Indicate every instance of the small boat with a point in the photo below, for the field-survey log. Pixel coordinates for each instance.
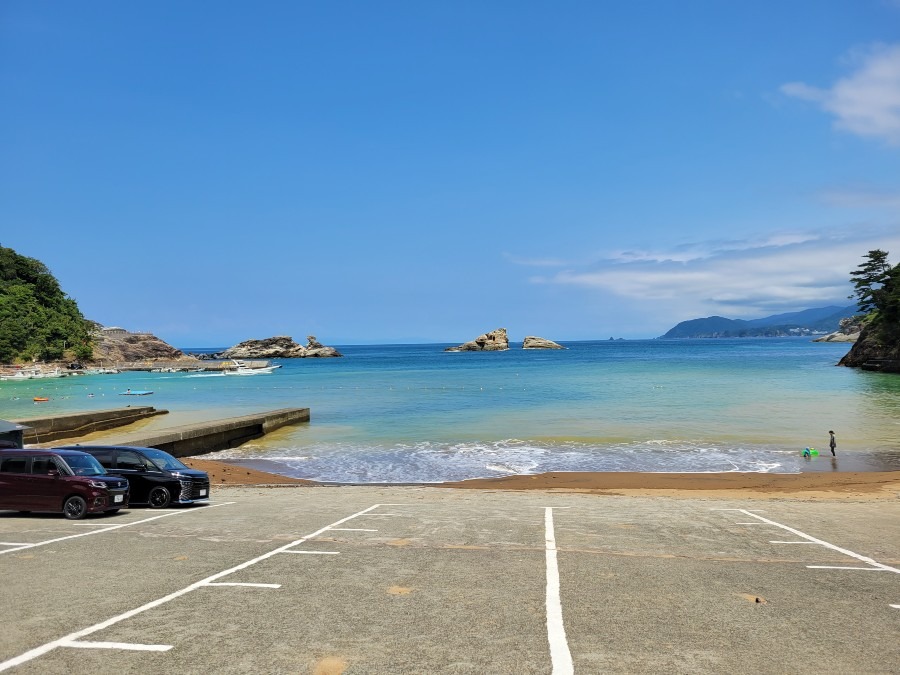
(22, 375)
(135, 393)
(241, 368)
(40, 399)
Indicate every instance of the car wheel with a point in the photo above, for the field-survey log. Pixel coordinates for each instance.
(159, 498)
(74, 508)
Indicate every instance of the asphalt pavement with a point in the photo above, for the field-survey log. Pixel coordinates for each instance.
(429, 580)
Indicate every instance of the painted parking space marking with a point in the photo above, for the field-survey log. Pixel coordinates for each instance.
(236, 583)
(844, 567)
(560, 656)
(814, 540)
(771, 541)
(872, 565)
(22, 547)
(117, 645)
(74, 637)
(13, 543)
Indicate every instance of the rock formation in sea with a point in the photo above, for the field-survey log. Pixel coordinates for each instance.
(532, 342)
(495, 341)
(848, 331)
(279, 347)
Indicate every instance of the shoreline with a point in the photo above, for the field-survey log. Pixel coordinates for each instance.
(838, 485)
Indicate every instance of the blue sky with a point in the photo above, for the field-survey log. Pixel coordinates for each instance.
(428, 171)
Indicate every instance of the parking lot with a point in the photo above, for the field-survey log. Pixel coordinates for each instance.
(415, 580)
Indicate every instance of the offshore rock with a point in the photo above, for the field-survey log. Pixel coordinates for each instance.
(848, 331)
(532, 342)
(279, 347)
(495, 341)
(125, 346)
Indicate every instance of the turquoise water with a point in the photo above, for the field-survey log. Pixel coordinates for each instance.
(413, 413)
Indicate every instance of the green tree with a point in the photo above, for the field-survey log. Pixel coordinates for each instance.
(869, 280)
(37, 320)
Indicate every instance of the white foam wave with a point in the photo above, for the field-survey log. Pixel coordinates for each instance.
(429, 462)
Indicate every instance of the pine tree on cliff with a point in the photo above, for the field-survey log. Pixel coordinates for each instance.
(869, 280)
(877, 285)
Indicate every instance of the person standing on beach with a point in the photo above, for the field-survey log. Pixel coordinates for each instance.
(832, 443)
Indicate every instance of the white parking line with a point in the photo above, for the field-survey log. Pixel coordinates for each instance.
(118, 645)
(235, 583)
(814, 540)
(840, 567)
(22, 547)
(791, 542)
(560, 657)
(66, 640)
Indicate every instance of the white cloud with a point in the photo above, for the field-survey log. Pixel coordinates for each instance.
(867, 102)
(740, 280)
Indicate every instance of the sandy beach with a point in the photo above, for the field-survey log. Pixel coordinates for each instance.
(815, 485)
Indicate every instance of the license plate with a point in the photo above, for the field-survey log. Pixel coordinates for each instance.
(202, 493)
(118, 498)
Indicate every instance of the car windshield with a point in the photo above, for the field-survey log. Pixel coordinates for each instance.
(84, 465)
(163, 459)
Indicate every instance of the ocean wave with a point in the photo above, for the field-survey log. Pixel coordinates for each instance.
(431, 462)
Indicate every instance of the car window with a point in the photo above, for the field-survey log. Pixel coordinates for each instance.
(128, 459)
(163, 459)
(84, 465)
(105, 457)
(14, 465)
(42, 465)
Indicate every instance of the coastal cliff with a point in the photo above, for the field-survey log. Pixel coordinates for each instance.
(495, 341)
(872, 351)
(116, 344)
(279, 347)
(532, 342)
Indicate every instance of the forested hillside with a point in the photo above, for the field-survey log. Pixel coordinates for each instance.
(820, 319)
(37, 320)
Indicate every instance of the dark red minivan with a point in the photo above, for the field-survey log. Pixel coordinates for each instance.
(66, 481)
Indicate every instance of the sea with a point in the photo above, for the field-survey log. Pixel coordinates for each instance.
(417, 414)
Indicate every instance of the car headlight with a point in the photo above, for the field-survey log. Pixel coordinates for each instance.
(97, 484)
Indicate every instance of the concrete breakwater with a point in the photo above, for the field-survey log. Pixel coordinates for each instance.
(70, 425)
(196, 439)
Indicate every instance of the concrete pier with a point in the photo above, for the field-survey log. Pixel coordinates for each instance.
(70, 425)
(196, 439)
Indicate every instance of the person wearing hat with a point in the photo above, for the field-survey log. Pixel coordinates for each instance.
(832, 443)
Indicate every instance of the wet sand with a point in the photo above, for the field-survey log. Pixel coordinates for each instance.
(816, 485)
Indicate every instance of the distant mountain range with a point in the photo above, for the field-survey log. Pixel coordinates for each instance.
(806, 322)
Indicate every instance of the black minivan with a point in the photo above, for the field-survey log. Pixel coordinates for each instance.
(156, 477)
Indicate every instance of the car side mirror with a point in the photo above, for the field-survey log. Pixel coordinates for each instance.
(53, 472)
